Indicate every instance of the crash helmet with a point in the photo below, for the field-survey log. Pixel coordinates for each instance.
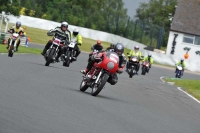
(136, 48)
(98, 42)
(112, 45)
(75, 32)
(64, 26)
(18, 24)
(119, 48)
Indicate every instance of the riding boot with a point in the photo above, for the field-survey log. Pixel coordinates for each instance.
(44, 51)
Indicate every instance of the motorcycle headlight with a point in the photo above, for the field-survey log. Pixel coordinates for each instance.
(110, 65)
(133, 59)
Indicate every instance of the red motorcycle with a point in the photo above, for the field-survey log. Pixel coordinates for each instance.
(145, 67)
(96, 78)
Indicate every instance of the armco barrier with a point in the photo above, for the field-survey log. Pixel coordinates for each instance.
(192, 64)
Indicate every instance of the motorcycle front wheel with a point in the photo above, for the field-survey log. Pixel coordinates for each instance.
(144, 70)
(101, 83)
(10, 51)
(67, 60)
(50, 57)
(83, 86)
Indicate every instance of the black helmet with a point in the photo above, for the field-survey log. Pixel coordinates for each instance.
(182, 60)
(112, 45)
(119, 48)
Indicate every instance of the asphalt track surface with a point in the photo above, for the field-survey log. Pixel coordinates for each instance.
(39, 99)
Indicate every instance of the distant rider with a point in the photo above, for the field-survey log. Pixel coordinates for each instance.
(137, 53)
(17, 29)
(111, 48)
(78, 37)
(62, 33)
(182, 63)
(149, 59)
(119, 49)
(97, 47)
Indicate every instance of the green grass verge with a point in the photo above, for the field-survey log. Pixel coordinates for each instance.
(40, 36)
(21, 50)
(190, 86)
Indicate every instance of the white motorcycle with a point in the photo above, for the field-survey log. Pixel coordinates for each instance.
(179, 71)
(13, 43)
(70, 53)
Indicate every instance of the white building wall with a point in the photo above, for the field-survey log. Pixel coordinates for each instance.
(180, 45)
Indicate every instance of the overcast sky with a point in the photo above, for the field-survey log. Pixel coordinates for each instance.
(132, 5)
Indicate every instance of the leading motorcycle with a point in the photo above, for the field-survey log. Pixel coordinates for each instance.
(97, 77)
(52, 52)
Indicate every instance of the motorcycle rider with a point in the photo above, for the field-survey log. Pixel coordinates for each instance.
(182, 63)
(17, 29)
(97, 47)
(78, 37)
(119, 49)
(149, 59)
(137, 53)
(112, 46)
(61, 32)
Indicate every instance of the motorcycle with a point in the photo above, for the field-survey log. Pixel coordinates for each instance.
(97, 77)
(145, 67)
(95, 52)
(133, 62)
(13, 42)
(70, 53)
(179, 71)
(52, 52)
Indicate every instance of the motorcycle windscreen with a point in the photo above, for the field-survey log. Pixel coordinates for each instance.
(113, 57)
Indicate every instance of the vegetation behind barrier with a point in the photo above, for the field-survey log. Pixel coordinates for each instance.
(150, 26)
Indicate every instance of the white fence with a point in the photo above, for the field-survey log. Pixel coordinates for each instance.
(192, 65)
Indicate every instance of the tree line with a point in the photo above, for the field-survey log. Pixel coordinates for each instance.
(104, 15)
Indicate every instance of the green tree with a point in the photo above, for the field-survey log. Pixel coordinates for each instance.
(7, 6)
(156, 12)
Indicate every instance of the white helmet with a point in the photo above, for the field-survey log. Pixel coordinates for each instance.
(149, 55)
(136, 48)
(75, 32)
(65, 24)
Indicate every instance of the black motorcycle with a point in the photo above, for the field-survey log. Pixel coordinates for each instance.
(70, 52)
(132, 67)
(52, 52)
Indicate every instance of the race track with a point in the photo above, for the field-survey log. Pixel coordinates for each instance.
(39, 99)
